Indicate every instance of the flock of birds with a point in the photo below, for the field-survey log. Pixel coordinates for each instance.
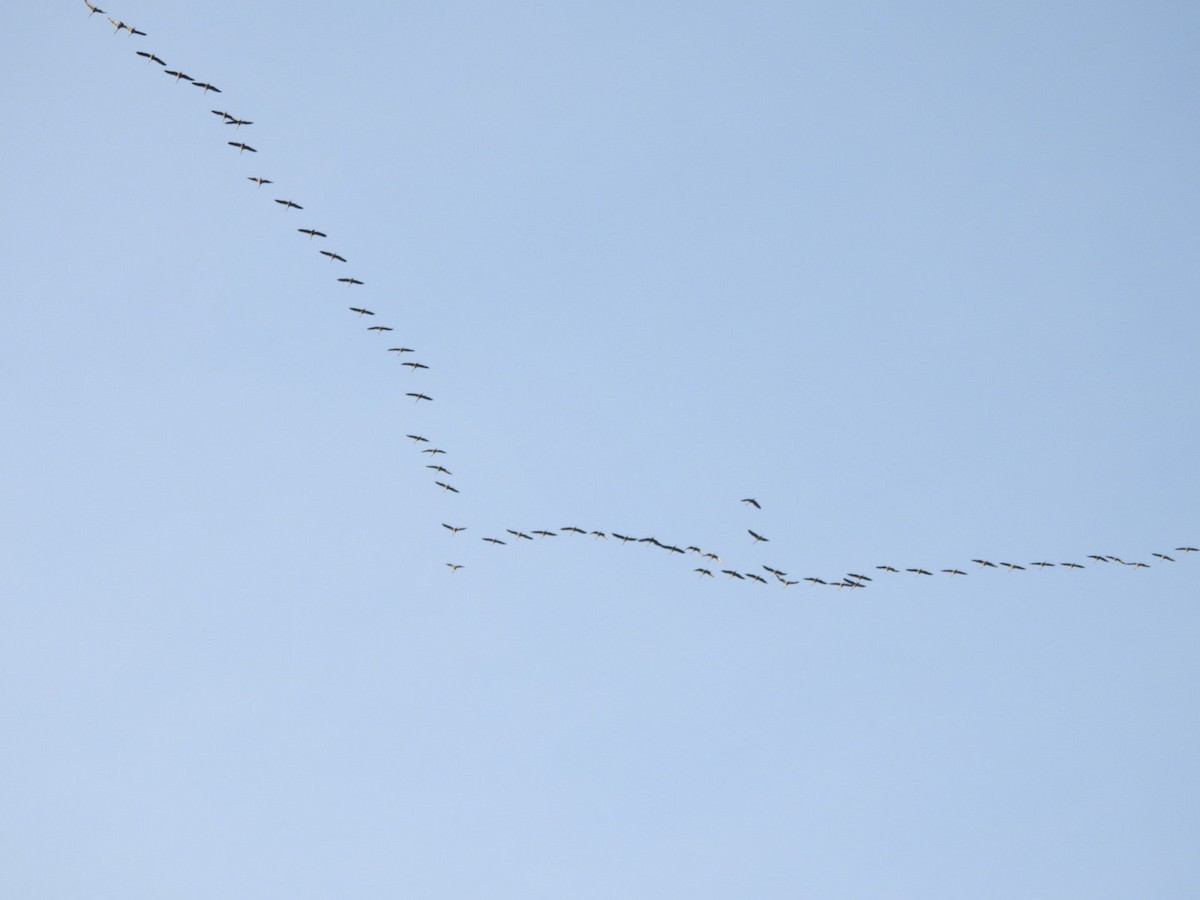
(709, 563)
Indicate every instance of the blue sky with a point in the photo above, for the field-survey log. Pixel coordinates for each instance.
(920, 280)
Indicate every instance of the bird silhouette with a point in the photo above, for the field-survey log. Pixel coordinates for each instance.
(150, 57)
(419, 397)
(446, 487)
(360, 310)
(92, 9)
(418, 438)
(454, 529)
(750, 501)
(379, 328)
(206, 86)
(179, 76)
(286, 204)
(454, 567)
(415, 365)
(496, 541)
(349, 281)
(242, 148)
(259, 181)
(312, 233)
(332, 256)
(757, 537)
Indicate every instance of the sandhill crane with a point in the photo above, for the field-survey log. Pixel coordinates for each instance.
(380, 328)
(599, 534)
(693, 549)
(399, 350)
(446, 487)
(150, 57)
(757, 537)
(454, 567)
(288, 204)
(732, 574)
(541, 532)
(888, 568)
(259, 181)
(360, 310)
(574, 529)
(858, 577)
(1042, 565)
(704, 572)
(1163, 557)
(813, 580)
(206, 86)
(441, 469)
(117, 24)
(775, 572)
(332, 256)
(623, 538)
(434, 451)
(312, 232)
(1188, 549)
(919, 571)
(415, 365)
(92, 9)
(179, 76)
(454, 529)
(242, 148)
(787, 583)
(418, 438)
(1138, 565)
(984, 564)
(954, 571)
(758, 578)
(349, 282)
(673, 549)
(1097, 558)
(1013, 567)
(419, 397)
(750, 501)
(713, 557)
(519, 534)
(237, 123)
(222, 113)
(496, 541)
(1071, 565)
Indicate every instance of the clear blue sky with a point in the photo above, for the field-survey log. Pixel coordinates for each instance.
(921, 278)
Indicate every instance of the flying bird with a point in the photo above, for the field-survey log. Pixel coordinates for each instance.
(442, 469)
(954, 571)
(454, 529)
(332, 256)
(350, 281)
(259, 181)
(180, 75)
(454, 567)
(519, 534)
(1071, 565)
(434, 450)
(311, 232)
(919, 571)
(400, 350)
(757, 537)
(206, 86)
(360, 310)
(1163, 556)
(237, 123)
(415, 365)
(750, 501)
(732, 574)
(287, 204)
(446, 487)
(241, 148)
(418, 438)
(888, 568)
(1013, 567)
(813, 580)
(379, 328)
(704, 572)
(496, 541)
(541, 532)
(93, 9)
(1042, 565)
(150, 57)
(574, 529)
(1188, 549)
(599, 534)
(419, 397)
(984, 564)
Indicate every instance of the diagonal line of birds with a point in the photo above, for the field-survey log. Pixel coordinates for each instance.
(708, 562)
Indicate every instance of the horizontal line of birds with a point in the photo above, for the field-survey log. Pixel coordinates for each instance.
(849, 580)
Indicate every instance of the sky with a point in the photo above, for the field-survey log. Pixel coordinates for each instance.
(918, 278)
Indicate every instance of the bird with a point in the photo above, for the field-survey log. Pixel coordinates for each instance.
(418, 438)
(1188, 549)
(712, 556)
(350, 281)
(541, 532)
(888, 568)
(1071, 565)
(332, 256)
(242, 148)
(496, 541)
(259, 181)
(704, 572)
(750, 501)
(1013, 567)
(442, 469)
(434, 451)
(623, 538)
(360, 310)
(954, 571)
(757, 537)
(454, 529)
(1163, 556)
(116, 24)
(918, 571)
(400, 349)
(311, 232)
(206, 86)
(1097, 558)
(150, 57)
(814, 580)
(93, 9)
(774, 571)
(379, 328)
(419, 397)
(179, 75)
(237, 123)
(222, 113)
(415, 365)
(599, 534)
(984, 564)
(519, 534)
(574, 529)
(858, 577)
(1042, 565)
(454, 567)
(288, 204)
(732, 574)
(446, 487)
(756, 577)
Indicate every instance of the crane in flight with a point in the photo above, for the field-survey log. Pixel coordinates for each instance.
(757, 537)
(259, 181)
(332, 256)
(206, 86)
(419, 397)
(446, 487)
(179, 75)
(454, 529)
(360, 310)
(312, 232)
(150, 57)
(454, 567)
(349, 282)
(92, 8)
(750, 501)
(242, 148)
(379, 328)
(288, 204)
